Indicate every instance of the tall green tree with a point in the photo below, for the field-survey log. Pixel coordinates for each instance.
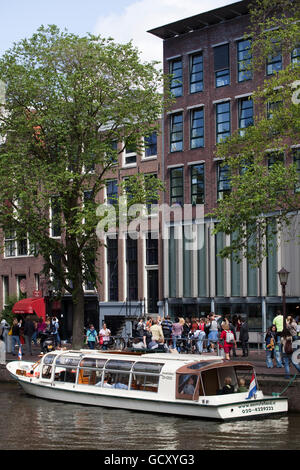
(259, 158)
(67, 99)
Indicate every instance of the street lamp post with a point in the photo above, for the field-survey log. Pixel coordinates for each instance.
(283, 278)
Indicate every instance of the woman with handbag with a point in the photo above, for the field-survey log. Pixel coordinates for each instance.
(105, 333)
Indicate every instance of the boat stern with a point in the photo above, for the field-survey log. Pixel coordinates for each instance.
(254, 408)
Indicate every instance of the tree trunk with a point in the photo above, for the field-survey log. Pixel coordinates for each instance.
(78, 318)
(75, 271)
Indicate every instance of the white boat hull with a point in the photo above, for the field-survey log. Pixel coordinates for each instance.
(239, 408)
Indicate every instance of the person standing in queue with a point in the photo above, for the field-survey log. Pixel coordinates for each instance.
(15, 337)
(244, 337)
(92, 337)
(105, 333)
(177, 328)
(29, 330)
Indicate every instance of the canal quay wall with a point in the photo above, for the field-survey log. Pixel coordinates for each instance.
(271, 381)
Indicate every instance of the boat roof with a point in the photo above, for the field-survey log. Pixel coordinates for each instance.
(172, 362)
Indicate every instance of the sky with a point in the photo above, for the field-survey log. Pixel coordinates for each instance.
(123, 20)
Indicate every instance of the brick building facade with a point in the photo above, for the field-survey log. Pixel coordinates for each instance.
(206, 54)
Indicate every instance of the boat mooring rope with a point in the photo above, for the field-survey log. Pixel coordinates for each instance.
(275, 394)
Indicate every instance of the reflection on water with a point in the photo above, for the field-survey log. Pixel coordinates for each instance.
(33, 423)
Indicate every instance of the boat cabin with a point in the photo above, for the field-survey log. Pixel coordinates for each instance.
(207, 379)
(188, 376)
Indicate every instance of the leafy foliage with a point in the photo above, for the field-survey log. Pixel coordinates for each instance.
(67, 99)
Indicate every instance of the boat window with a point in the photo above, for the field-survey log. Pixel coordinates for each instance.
(65, 374)
(187, 386)
(47, 367)
(90, 376)
(49, 358)
(210, 382)
(145, 376)
(66, 368)
(243, 376)
(92, 362)
(199, 365)
(118, 365)
(91, 370)
(150, 368)
(116, 380)
(116, 374)
(46, 372)
(223, 373)
(67, 361)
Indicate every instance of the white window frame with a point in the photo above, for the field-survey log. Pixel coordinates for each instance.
(14, 241)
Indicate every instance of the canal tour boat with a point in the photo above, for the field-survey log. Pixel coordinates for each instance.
(174, 384)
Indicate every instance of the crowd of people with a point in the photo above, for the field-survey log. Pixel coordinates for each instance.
(27, 332)
(206, 334)
(279, 342)
(211, 333)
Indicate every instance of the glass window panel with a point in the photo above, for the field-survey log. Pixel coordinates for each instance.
(196, 73)
(68, 361)
(176, 80)
(146, 367)
(92, 362)
(223, 181)
(119, 365)
(49, 358)
(274, 60)
(222, 78)
(112, 268)
(197, 177)
(22, 247)
(176, 132)
(172, 263)
(245, 113)
(222, 121)
(151, 145)
(176, 182)
(295, 56)
(244, 59)
(112, 191)
(151, 250)
(132, 268)
(197, 128)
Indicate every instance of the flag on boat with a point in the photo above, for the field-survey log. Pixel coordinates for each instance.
(252, 388)
(20, 353)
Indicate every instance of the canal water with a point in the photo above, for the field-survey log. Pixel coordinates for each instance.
(28, 423)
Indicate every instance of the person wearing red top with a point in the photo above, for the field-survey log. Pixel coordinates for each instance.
(195, 325)
(202, 324)
(228, 346)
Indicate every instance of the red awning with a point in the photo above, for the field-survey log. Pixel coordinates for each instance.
(31, 306)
